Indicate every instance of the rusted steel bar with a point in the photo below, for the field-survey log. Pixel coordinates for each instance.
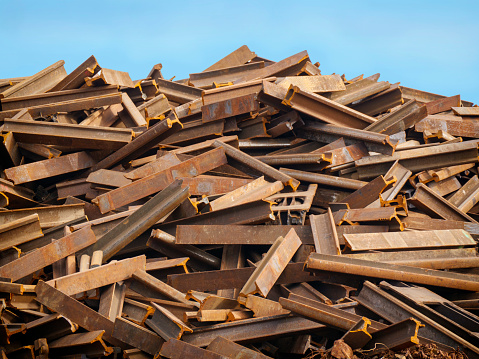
(137, 336)
(136, 312)
(48, 254)
(417, 239)
(157, 165)
(130, 115)
(367, 194)
(40, 150)
(272, 265)
(40, 82)
(289, 66)
(161, 287)
(327, 314)
(42, 99)
(254, 329)
(213, 185)
(238, 57)
(436, 206)
(315, 84)
(166, 324)
(300, 159)
(443, 104)
(194, 131)
(224, 93)
(48, 168)
(111, 301)
(467, 196)
(140, 220)
(359, 90)
(325, 110)
(324, 233)
(98, 277)
(71, 136)
(466, 111)
(228, 108)
(394, 310)
(207, 79)
(233, 350)
(451, 124)
(413, 222)
(420, 159)
(238, 234)
(233, 278)
(380, 102)
(74, 310)
(76, 78)
(406, 116)
(413, 255)
(141, 144)
(90, 343)
(256, 164)
(177, 349)
(20, 231)
(367, 268)
(110, 77)
(158, 181)
(108, 178)
(323, 179)
(177, 92)
(155, 107)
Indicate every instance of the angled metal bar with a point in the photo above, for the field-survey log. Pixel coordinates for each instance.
(324, 179)
(137, 336)
(443, 104)
(380, 102)
(315, 84)
(324, 233)
(177, 92)
(166, 324)
(177, 349)
(231, 349)
(238, 57)
(76, 78)
(206, 79)
(228, 108)
(359, 90)
(20, 231)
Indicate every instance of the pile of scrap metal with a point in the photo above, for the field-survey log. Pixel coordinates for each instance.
(256, 209)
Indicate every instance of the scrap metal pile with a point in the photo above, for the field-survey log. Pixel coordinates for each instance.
(256, 209)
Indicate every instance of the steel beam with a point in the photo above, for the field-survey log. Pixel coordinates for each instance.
(177, 349)
(90, 343)
(111, 301)
(314, 84)
(443, 104)
(110, 77)
(48, 254)
(20, 231)
(141, 144)
(324, 179)
(48, 168)
(436, 206)
(166, 324)
(137, 336)
(140, 220)
(177, 92)
(159, 181)
(76, 78)
(228, 108)
(324, 233)
(380, 102)
(213, 185)
(157, 165)
(38, 83)
(238, 57)
(420, 159)
(257, 165)
(71, 136)
(466, 111)
(451, 124)
(359, 90)
(233, 350)
(373, 269)
(208, 79)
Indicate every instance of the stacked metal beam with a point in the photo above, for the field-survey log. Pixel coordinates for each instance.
(256, 209)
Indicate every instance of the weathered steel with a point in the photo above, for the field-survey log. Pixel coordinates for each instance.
(177, 92)
(254, 329)
(137, 336)
(20, 231)
(224, 93)
(380, 102)
(40, 82)
(48, 254)
(238, 234)
(40, 150)
(111, 301)
(425, 223)
(394, 310)
(136, 312)
(359, 90)
(272, 265)
(324, 179)
(166, 324)
(406, 116)
(451, 124)
(315, 84)
(325, 110)
(157, 165)
(293, 159)
(233, 350)
(257, 165)
(130, 115)
(208, 79)
(176, 349)
(76, 78)
(141, 144)
(417, 239)
(110, 77)
(213, 185)
(324, 233)
(90, 343)
(108, 178)
(466, 111)
(71, 136)
(140, 220)
(48, 168)
(100, 276)
(367, 194)
(159, 181)
(419, 159)
(443, 104)
(228, 108)
(466, 197)
(367, 268)
(155, 107)
(238, 57)
(436, 206)
(195, 131)
(233, 278)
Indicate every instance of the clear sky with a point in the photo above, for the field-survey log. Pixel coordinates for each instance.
(428, 45)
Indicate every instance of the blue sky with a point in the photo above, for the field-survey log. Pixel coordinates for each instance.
(428, 45)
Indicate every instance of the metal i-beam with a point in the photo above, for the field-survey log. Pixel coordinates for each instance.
(177, 92)
(207, 79)
(158, 181)
(141, 144)
(177, 349)
(451, 124)
(48, 254)
(328, 180)
(325, 110)
(230, 107)
(76, 78)
(373, 269)
(49, 168)
(71, 136)
(315, 84)
(20, 231)
(238, 57)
